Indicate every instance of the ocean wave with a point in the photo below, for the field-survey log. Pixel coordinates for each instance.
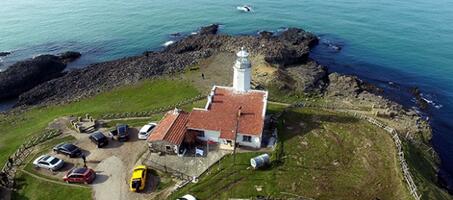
(168, 43)
(431, 100)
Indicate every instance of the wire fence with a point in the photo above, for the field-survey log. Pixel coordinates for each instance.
(153, 111)
(9, 169)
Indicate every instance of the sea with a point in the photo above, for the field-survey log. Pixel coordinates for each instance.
(396, 44)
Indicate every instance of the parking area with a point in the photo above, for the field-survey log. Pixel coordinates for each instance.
(112, 163)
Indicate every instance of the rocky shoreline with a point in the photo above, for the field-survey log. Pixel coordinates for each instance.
(25, 75)
(287, 54)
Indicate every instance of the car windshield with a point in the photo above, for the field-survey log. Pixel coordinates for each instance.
(80, 170)
(136, 183)
(70, 147)
(98, 135)
(45, 158)
(54, 161)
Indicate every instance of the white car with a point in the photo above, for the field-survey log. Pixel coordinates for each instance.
(187, 197)
(48, 162)
(146, 130)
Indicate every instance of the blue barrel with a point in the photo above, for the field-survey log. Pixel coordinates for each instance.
(260, 161)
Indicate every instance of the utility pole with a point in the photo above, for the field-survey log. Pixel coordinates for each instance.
(236, 135)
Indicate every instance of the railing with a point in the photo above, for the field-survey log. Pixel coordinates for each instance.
(395, 136)
(167, 169)
(154, 111)
(8, 171)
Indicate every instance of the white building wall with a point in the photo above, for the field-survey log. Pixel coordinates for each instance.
(255, 143)
(241, 79)
(210, 135)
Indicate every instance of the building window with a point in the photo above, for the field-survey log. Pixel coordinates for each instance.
(200, 134)
(246, 138)
(168, 148)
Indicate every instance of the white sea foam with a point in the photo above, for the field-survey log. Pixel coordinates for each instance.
(168, 43)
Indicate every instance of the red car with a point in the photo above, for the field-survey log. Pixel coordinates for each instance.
(80, 175)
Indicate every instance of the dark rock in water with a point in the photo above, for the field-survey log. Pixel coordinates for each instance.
(265, 34)
(293, 48)
(209, 30)
(24, 75)
(4, 53)
(335, 47)
(422, 103)
(175, 34)
(298, 36)
(69, 56)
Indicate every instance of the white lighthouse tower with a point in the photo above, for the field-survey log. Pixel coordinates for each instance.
(242, 69)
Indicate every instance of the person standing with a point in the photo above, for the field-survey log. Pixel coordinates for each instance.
(84, 160)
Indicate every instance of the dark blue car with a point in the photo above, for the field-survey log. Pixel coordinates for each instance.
(121, 133)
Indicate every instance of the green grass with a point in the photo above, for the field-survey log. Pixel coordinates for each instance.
(320, 155)
(165, 180)
(141, 97)
(423, 170)
(31, 188)
(132, 122)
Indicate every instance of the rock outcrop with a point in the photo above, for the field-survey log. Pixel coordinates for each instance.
(25, 75)
(209, 30)
(422, 103)
(5, 53)
(343, 85)
(282, 50)
(69, 56)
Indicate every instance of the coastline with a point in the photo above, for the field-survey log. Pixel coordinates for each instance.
(189, 55)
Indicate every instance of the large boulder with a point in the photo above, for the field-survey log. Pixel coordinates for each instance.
(24, 75)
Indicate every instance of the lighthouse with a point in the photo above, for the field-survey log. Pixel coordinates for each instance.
(242, 69)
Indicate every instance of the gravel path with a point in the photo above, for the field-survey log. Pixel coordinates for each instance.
(110, 183)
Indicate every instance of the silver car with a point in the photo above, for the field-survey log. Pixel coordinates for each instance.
(48, 162)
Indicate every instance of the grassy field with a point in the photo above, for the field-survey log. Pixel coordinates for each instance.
(31, 188)
(423, 170)
(141, 97)
(321, 155)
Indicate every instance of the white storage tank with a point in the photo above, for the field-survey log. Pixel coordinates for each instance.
(260, 161)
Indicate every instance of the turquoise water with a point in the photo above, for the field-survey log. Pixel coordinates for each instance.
(406, 42)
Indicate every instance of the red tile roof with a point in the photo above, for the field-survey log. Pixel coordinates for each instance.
(172, 127)
(222, 113)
